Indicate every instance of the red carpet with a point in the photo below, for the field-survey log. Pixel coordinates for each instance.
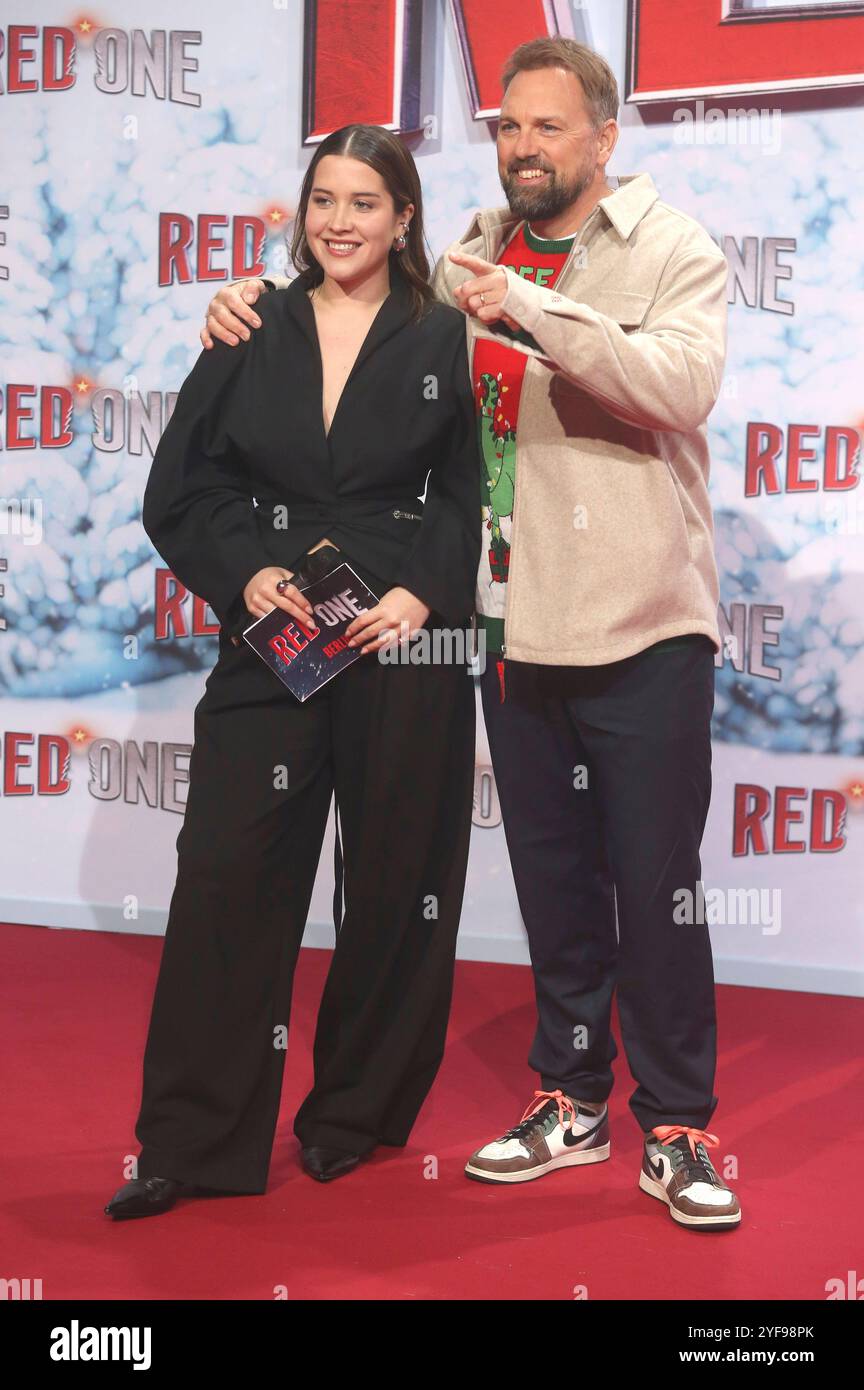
(73, 1027)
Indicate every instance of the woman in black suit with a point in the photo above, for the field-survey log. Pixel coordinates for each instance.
(331, 416)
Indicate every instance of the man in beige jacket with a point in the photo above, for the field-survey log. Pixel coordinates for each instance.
(596, 324)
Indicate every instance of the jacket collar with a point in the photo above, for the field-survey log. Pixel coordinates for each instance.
(393, 314)
(624, 207)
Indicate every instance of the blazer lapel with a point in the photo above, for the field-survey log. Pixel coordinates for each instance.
(392, 315)
(394, 312)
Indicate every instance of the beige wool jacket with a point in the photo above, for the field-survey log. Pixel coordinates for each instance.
(612, 536)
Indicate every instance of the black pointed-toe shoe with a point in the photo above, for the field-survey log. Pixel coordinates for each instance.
(326, 1164)
(144, 1197)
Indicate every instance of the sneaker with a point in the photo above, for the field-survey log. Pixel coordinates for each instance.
(676, 1169)
(554, 1132)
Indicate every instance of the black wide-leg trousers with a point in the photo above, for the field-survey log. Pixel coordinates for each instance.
(396, 745)
(628, 828)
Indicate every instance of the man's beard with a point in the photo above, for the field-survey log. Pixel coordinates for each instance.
(556, 196)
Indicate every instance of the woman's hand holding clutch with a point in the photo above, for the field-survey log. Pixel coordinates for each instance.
(382, 625)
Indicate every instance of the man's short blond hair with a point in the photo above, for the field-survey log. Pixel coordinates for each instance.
(595, 74)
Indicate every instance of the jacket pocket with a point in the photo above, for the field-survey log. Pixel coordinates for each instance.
(625, 307)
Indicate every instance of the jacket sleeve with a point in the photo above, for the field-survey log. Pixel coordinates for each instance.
(272, 281)
(276, 282)
(441, 565)
(664, 376)
(197, 507)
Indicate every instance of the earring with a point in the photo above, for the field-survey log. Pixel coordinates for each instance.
(400, 240)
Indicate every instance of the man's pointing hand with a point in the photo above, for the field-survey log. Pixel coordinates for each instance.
(481, 296)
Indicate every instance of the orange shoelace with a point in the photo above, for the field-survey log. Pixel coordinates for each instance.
(694, 1136)
(564, 1103)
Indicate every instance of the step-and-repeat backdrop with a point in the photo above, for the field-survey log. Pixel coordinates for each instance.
(145, 163)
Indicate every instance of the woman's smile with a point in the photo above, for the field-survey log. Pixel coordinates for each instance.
(341, 248)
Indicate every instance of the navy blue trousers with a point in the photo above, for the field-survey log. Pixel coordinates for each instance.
(631, 835)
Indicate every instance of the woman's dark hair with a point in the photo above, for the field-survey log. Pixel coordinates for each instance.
(385, 153)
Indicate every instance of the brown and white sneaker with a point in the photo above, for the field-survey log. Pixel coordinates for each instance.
(677, 1170)
(554, 1132)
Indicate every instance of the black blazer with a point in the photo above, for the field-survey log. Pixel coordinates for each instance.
(248, 424)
